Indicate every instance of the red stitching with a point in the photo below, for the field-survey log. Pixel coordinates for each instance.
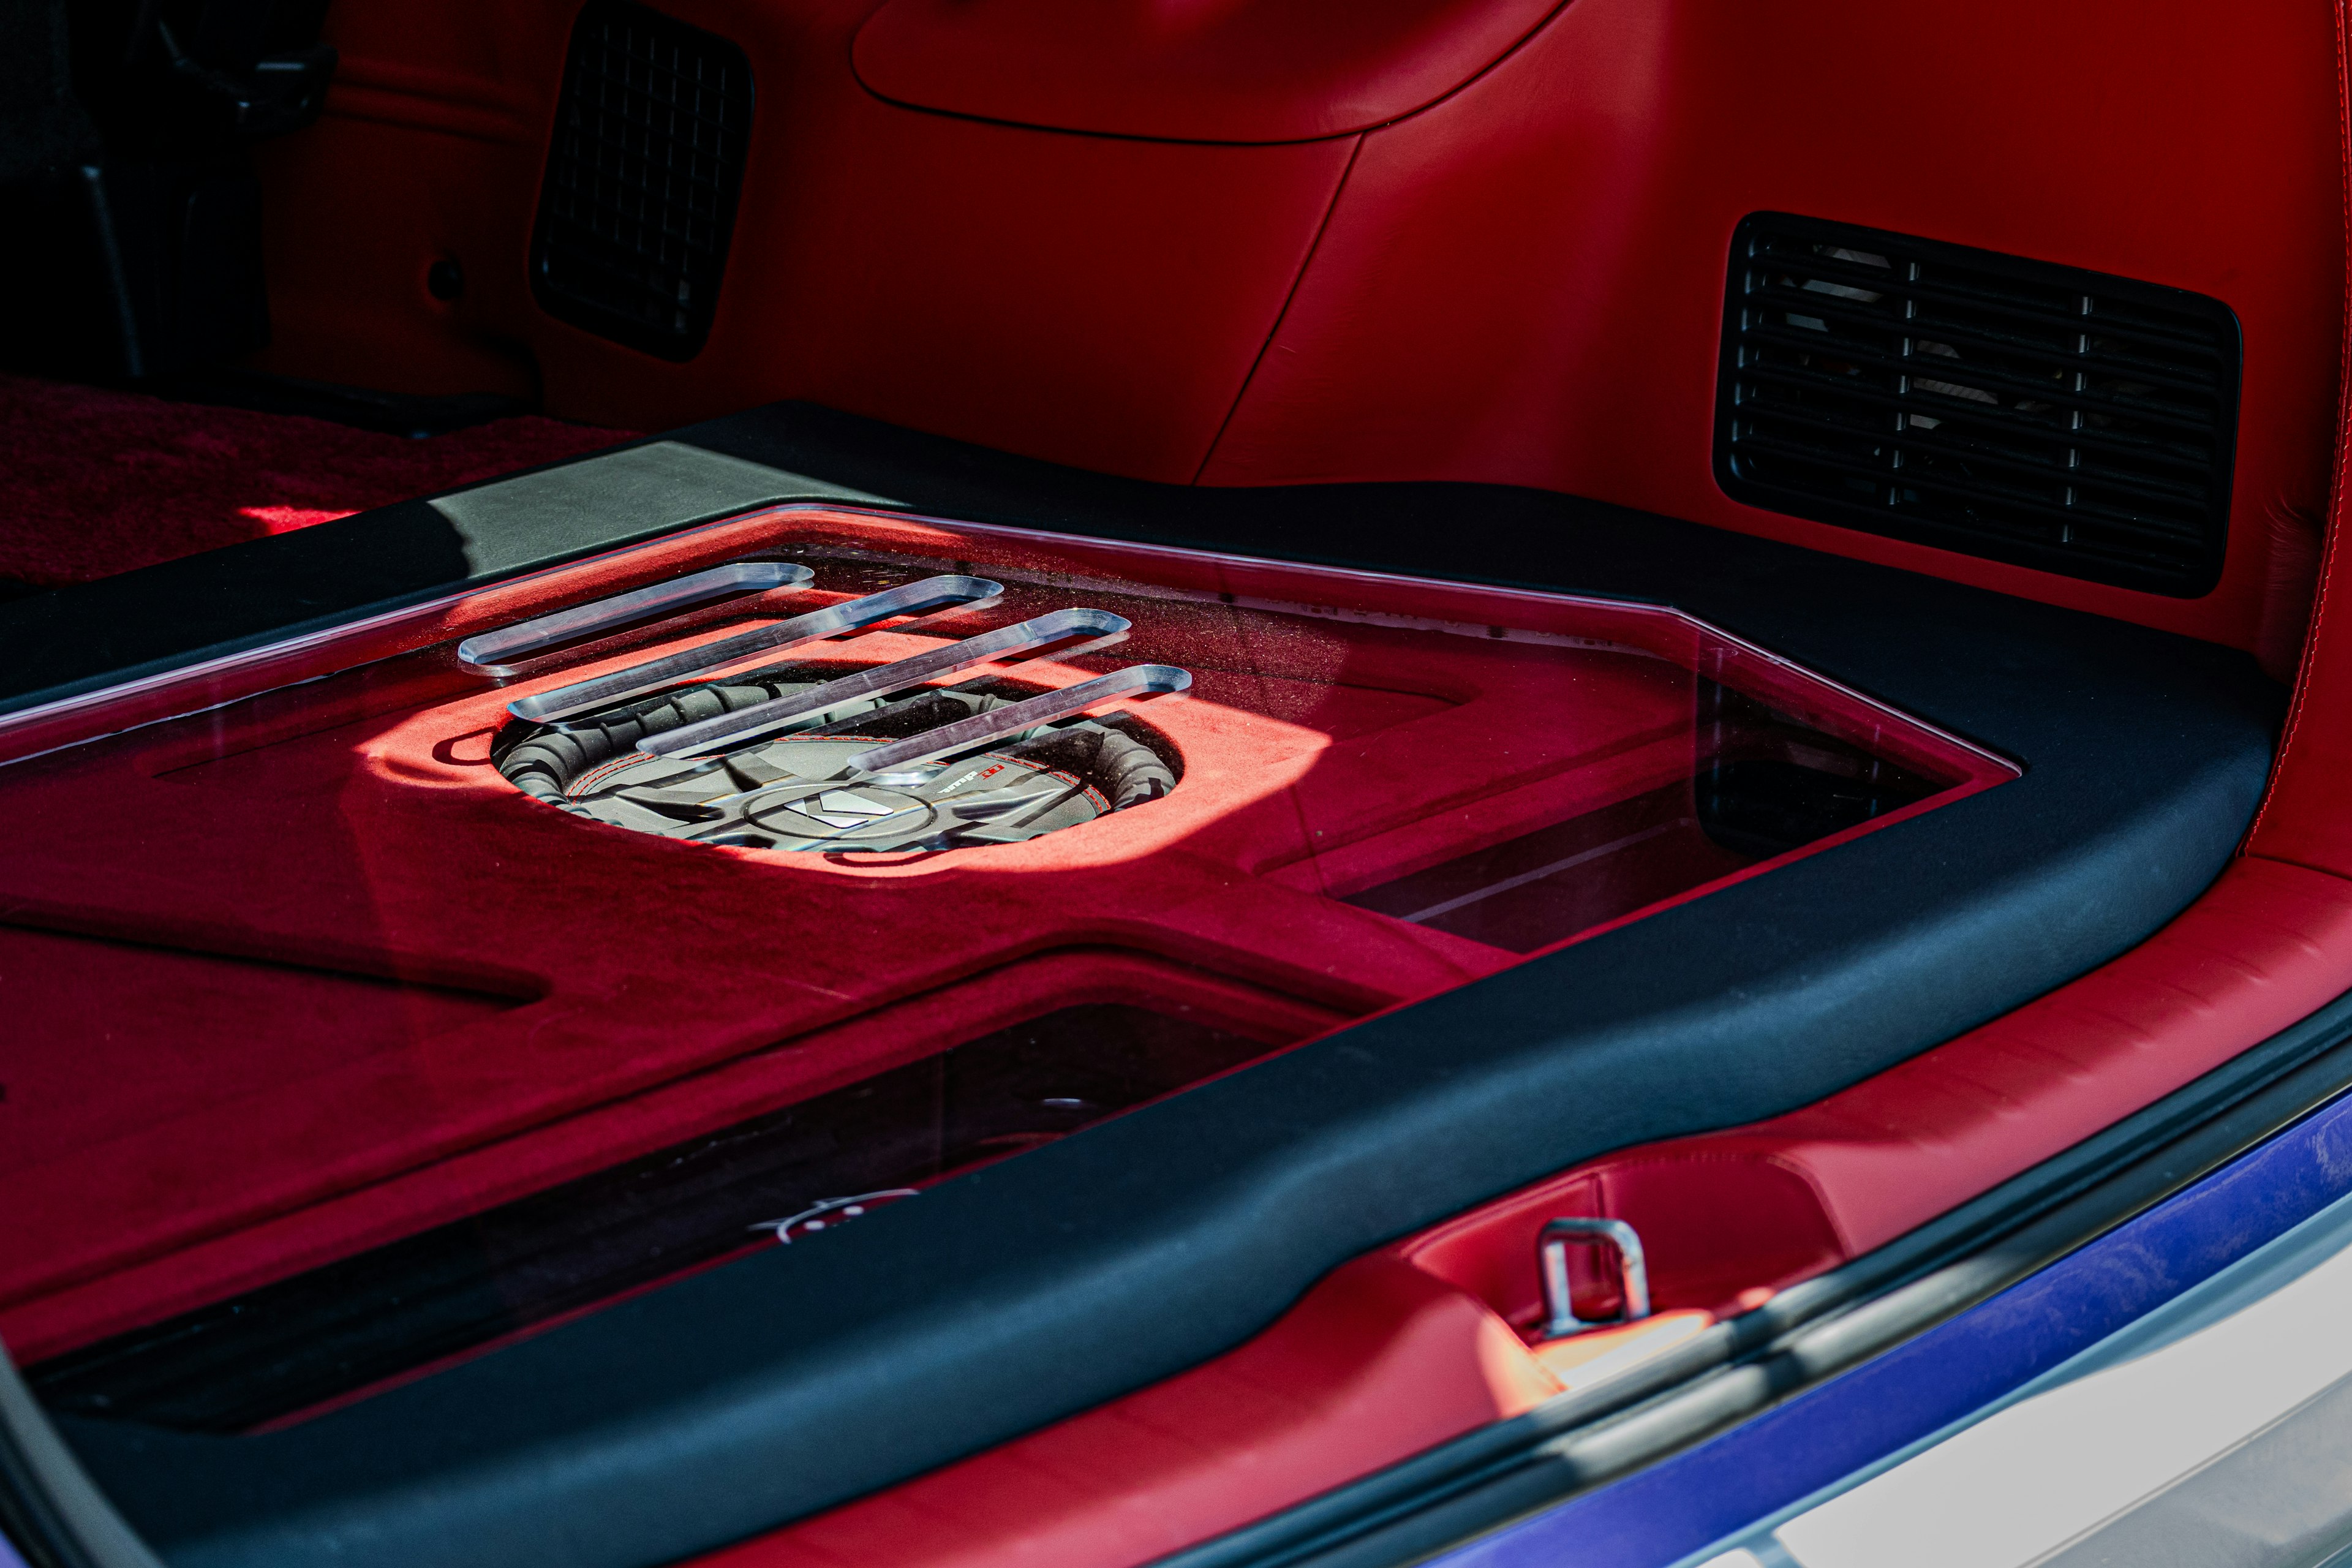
(2337, 499)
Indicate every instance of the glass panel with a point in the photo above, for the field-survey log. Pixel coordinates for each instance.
(1768, 785)
(295, 1345)
(439, 979)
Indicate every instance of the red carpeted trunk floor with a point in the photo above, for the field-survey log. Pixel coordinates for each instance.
(100, 481)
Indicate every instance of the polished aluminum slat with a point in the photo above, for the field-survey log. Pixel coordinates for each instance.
(485, 651)
(1099, 626)
(909, 599)
(997, 724)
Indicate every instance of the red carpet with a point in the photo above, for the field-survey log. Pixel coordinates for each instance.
(98, 481)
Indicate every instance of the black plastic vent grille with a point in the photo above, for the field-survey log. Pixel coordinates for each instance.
(2011, 409)
(639, 199)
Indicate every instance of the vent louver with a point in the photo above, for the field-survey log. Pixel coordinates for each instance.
(2010, 409)
(639, 201)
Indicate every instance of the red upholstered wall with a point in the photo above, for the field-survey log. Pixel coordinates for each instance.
(1095, 300)
(1524, 283)
(1520, 282)
(2306, 818)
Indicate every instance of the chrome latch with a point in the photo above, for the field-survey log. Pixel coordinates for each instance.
(1551, 1257)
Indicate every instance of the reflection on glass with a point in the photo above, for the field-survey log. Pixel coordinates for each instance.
(1767, 783)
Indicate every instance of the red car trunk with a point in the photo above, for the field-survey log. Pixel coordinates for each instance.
(1752, 605)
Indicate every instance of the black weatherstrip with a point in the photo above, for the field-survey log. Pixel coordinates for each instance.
(769, 1388)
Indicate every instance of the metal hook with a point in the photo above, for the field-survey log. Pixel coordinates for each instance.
(1552, 1257)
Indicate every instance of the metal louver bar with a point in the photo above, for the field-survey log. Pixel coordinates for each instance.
(916, 598)
(727, 729)
(485, 650)
(2011, 409)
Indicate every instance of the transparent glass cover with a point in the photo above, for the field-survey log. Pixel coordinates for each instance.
(387, 993)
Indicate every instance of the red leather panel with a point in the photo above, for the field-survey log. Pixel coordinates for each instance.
(2267, 946)
(1259, 70)
(1525, 282)
(2306, 817)
(436, 131)
(1097, 303)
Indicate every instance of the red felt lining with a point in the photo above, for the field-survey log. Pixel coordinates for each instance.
(101, 481)
(129, 1037)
